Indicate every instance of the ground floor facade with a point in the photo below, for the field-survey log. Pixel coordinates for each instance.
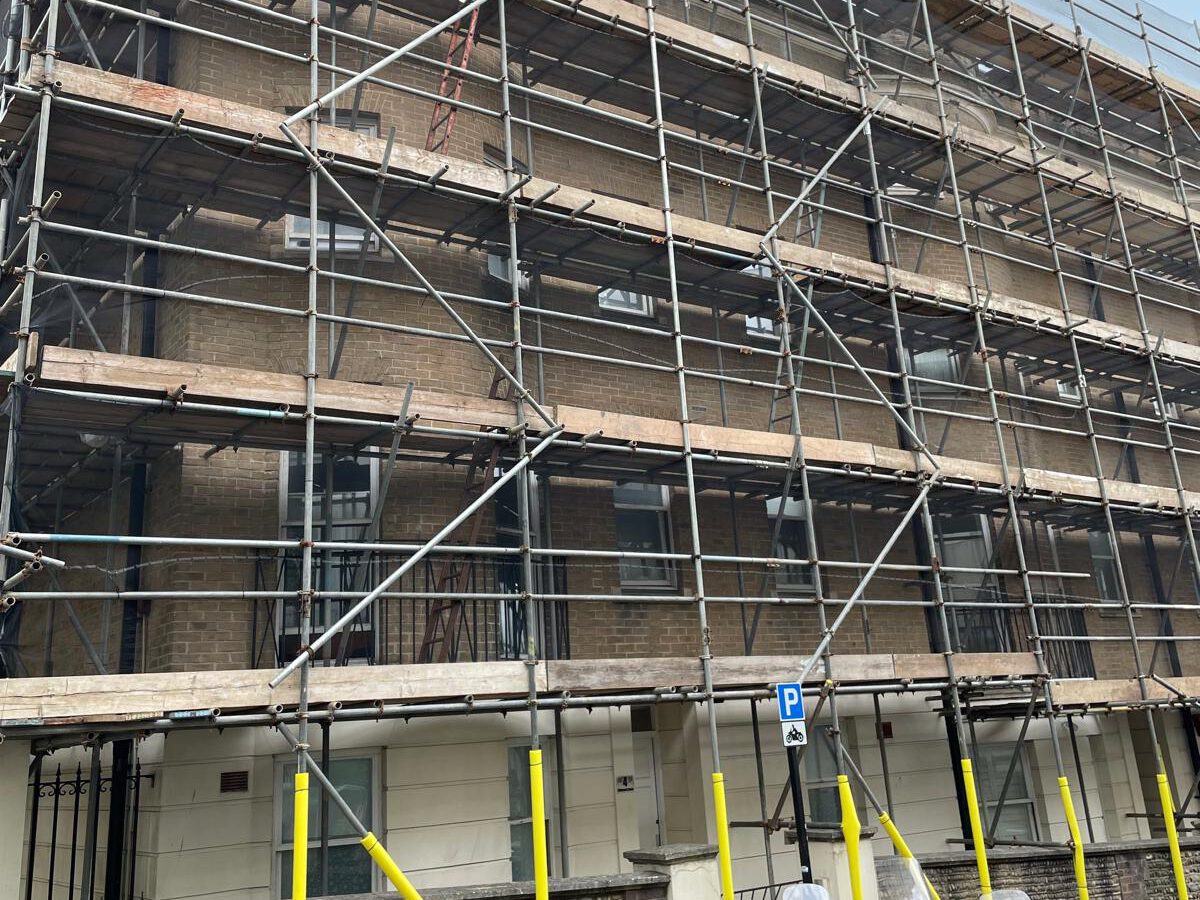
(211, 810)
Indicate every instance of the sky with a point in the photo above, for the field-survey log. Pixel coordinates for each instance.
(1185, 9)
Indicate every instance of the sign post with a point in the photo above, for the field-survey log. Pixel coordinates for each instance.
(795, 736)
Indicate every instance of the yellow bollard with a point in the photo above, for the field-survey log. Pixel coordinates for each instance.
(724, 856)
(981, 861)
(851, 834)
(300, 839)
(537, 807)
(389, 868)
(902, 848)
(1077, 842)
(1168, 808)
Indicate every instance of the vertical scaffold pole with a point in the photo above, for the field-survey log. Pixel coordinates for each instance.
(541, 858)
(718, 777)
(306, 596)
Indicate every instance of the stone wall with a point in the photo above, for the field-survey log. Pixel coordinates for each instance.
(1129, 870)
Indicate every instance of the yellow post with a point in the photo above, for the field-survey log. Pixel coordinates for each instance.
(389, 868)
(981, 861)
(902, 847)
(300, 839)
(1168, 810)
(537, 808)
(851, 834)
(724, 856)
(1076, 841)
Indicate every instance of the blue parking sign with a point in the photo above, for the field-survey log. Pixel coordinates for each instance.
(791, 714)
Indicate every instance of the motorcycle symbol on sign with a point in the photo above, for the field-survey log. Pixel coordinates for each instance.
(794, 734)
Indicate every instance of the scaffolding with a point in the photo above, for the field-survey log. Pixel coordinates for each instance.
(1022, 194)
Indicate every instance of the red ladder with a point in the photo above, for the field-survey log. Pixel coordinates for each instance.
(458, 55)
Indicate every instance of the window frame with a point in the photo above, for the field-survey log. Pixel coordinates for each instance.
(1005, 751)
(318, 627)
(643, 306)
(283, 793)
(549, 786)
(926, 389)
(666, 532)
(1172, 410)
(793, 511)
(755, 329)
(298, 242)
(1069, 389)
(1106, 554)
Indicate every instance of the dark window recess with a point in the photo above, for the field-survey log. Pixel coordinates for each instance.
(235, 782)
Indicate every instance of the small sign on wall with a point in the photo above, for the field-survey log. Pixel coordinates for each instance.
(791, 714)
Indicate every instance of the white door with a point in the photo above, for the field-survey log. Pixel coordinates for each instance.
(646, 789)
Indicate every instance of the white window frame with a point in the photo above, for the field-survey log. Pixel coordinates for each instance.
(630, 303)
(346, 238)
(764, 327)
(791, 579)
(1068, 389)
(1004, 753)
(1172, 409)
(1100, 548)
(318, 627)
(663, 509)
(283, 792)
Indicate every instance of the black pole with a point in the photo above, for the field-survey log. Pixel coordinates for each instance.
(33, 825)
(797, 788)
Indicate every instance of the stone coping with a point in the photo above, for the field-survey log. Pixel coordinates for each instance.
(671, 853)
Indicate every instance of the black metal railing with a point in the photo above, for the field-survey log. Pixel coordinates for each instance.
(61, 843)
(489, 625)
(765, 892)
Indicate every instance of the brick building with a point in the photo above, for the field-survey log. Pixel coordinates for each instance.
(506, 375)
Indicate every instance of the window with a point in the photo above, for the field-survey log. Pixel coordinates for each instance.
(1104, 566)
(644, 526)
(937, 364)
(1018, 821)
(626, 301)
(964, 541)
(348, 502)
(1172, 410)
(1068, 389)
(350, 870)
(762, 327)
(493, 157)
(823, 804)
(792, 544)
(520, 813)
(346, 237)
(497, 268)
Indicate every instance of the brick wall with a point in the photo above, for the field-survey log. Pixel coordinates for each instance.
(1131, 870)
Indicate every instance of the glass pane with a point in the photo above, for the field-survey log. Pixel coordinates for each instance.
(351, 497)
(518, 783)
(353, 780)
(642, 529)
(520, 836)
(634, 494)
(824, 805)
(349, 871)
(938, 364)
(1015, 822)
